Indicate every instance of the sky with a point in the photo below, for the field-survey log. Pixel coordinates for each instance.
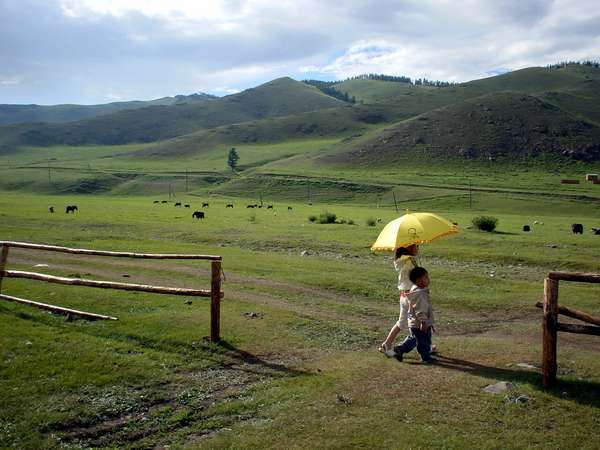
(99, 51)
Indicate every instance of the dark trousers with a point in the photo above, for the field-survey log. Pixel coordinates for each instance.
(419, 339)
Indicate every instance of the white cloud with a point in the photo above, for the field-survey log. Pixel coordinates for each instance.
(7, 81)
(77, 50)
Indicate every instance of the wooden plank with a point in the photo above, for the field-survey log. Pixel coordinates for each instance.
(3, 258)
(83, 251)
(215, 301)
(107, 284)
(57, 309)
(580, 329)
(575, 276)
(575, 314)
(549, 332)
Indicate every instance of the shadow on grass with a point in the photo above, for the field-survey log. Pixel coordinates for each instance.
(580, 391)
(222, 353)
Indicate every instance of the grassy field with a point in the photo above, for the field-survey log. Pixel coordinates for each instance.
(305, 308)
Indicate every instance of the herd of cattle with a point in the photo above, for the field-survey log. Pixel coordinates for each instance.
(201, 214)
(576, 228)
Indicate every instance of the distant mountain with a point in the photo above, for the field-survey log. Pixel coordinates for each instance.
(498, 126)
(14, 114)
(529, 112)
(279, 97)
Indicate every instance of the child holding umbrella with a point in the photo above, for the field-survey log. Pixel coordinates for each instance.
(403, 235)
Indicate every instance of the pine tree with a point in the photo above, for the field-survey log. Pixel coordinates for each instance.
(232, 159)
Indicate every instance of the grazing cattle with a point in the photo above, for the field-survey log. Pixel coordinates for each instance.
(186, 206)
(51, 209)
(156, 201)
(205, 205)
(289, 208)
(577, 228)
(178, 204)
(526, 228)
(269, 206)
(229, 205)
(379, 220)
(198, 215)
(71, 209)
(251, 206)
(164, 201)
(596, 231)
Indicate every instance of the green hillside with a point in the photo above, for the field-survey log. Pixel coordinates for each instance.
(12, 114)
(280, 97)
(491, 127)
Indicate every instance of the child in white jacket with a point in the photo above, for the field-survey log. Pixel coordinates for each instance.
(420, 318)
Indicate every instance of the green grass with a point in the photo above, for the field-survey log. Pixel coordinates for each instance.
(304, 370)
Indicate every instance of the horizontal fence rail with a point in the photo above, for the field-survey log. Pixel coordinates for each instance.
(214, 292)
(57, 309)
(551, 326)
(83, 251)
(107, 284)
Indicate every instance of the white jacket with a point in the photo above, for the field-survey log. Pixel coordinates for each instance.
(419, 307)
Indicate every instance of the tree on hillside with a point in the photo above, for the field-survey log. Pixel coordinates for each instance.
(232, 159)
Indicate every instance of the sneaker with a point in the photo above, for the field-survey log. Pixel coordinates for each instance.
(387, 352)
(429, 361)
(433, 349)
(399, 355)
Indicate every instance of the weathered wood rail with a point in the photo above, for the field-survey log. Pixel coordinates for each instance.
(551, 326)
(214, 292)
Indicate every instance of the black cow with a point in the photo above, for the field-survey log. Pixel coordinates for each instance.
(251, 206)
(71, 209)
(229, 205)
(178, 204)
(164, 201)
(270, 207)
(577, 228)
(596, 231)
(526, 228)
(289, 208)
(51, 209)
(198, 215)
(205, 205)
(186, 206)
(156, 201)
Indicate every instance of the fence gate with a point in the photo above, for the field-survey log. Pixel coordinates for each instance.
(214, 292)
(551, 326)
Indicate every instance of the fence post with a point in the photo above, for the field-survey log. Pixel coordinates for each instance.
(3, 258)
(215, 301)
(549, 327)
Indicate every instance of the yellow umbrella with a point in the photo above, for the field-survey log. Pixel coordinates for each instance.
(413, 228)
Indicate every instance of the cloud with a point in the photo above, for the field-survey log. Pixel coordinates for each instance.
(80, 50)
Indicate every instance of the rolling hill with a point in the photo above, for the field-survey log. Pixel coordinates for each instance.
(14, 114)
(526, 113)
(279, 97)
(498, 126)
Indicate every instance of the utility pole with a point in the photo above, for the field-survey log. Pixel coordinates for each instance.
(49, 175)
(395, 204)
(260, 196)
(186, 180)
(470, 196)
(308, 193)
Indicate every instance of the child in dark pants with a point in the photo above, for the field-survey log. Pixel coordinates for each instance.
(420, 317)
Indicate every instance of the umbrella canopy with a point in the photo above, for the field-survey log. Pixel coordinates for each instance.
(413, 228)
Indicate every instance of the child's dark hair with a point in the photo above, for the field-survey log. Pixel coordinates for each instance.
(417, 273)
(402, 251)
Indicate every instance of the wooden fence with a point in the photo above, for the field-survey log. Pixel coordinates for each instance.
(551, 326)
(214, 292)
